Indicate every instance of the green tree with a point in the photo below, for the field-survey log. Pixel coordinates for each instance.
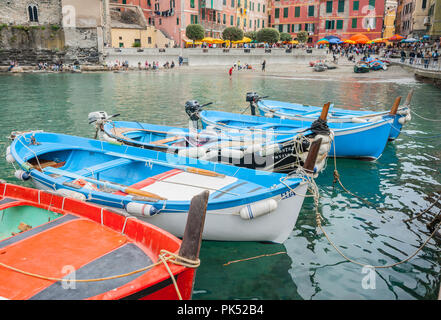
(302, 36)
(232, 34)
(268, 35)
(285, 37)
(195, 32)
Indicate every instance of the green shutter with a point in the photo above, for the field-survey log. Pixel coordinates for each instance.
(310, 11)
(276, 13)
(372, 3)
(285, 12)
(340, 24)
(232, 3)
(341, 5)
(280, 27)
(356, 5)
(231, 20)
(297, 12)
(329, 6)
(191, 3)
(354, 23)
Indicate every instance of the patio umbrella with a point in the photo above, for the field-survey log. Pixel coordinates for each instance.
(395, 37)
(207, 40)
(331, 37)
(323, 40)
(349, 41)
(244, 40)
(335, 41)
(360, 38)
(293, 42)
(409, 40)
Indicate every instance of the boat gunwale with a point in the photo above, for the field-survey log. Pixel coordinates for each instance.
(214, 204)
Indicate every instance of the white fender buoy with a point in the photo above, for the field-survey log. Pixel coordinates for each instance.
(142, 209)
(324, 148)
(358, 120)
(270, 150)
(258, 209)
(194, 152)
(22, 175)
(232, 153)
(9, 157)
(408, 117)
(402, 120)
(375, 119)
(325, 138)
(71, 194)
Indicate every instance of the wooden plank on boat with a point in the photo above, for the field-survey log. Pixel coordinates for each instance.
(394, 109)
(166, 140)
(41, 164)
(191, 241)
(312, 155)
(325, 110)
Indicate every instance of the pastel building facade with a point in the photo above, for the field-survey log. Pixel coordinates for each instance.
(343, 18)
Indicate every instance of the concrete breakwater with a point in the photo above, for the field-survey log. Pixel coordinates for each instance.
(210, 56)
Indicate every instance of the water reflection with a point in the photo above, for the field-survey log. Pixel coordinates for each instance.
(398, 182)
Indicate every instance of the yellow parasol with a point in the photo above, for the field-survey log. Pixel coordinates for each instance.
(349, 41)
(293, 42)
(244, 40)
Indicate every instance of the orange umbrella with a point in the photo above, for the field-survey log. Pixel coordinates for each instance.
(349, 41)
(395, 37)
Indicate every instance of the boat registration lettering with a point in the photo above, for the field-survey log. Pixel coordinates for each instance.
(287, 194)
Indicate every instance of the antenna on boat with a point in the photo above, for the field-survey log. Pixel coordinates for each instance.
(394, 109)
(191, 241)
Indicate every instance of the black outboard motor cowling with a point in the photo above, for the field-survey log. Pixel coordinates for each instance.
(192, 108)
(252, 98)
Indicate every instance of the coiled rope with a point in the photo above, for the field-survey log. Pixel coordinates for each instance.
(164, 257)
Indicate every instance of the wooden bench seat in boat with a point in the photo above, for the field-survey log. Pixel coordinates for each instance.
(95, 169)
(66, 241)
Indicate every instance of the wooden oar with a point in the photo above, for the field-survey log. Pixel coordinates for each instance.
(125, 189)
(394, 109)
(203, 172)
(325, 110)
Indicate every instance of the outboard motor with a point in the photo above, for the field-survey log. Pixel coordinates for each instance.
(192, 108)
(99, 118)
(252, 98)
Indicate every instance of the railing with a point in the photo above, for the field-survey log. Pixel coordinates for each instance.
(420, 63)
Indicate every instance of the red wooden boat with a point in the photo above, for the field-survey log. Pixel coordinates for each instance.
(57, 248)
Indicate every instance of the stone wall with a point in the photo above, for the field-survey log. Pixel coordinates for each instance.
(30, 45)
(15, 12)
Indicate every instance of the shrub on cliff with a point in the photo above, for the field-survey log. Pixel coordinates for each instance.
(268, 35)
(232, 34)
(195, 32)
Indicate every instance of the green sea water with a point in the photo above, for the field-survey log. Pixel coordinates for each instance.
(403, 181)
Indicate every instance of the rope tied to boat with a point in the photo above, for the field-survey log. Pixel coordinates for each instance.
(164, 257)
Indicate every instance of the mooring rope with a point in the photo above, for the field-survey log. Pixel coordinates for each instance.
(164, 257)
(424, 211)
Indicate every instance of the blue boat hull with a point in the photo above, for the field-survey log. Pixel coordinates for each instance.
(278, 109)
(351, 140)
(244, 204)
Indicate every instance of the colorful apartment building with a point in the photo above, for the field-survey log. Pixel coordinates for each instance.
(320, 18)
(418, 18)
(390, 12)
(173, 16)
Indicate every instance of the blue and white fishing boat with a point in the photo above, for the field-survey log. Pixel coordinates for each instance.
(265, 151)
(365, 140)
(296, 111)
(244, 204)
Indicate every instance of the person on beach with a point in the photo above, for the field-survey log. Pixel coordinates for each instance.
(435, 56)
(426, 59)
(263, 65)
(230, 72)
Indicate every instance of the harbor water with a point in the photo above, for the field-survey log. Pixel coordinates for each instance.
(404, 181)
